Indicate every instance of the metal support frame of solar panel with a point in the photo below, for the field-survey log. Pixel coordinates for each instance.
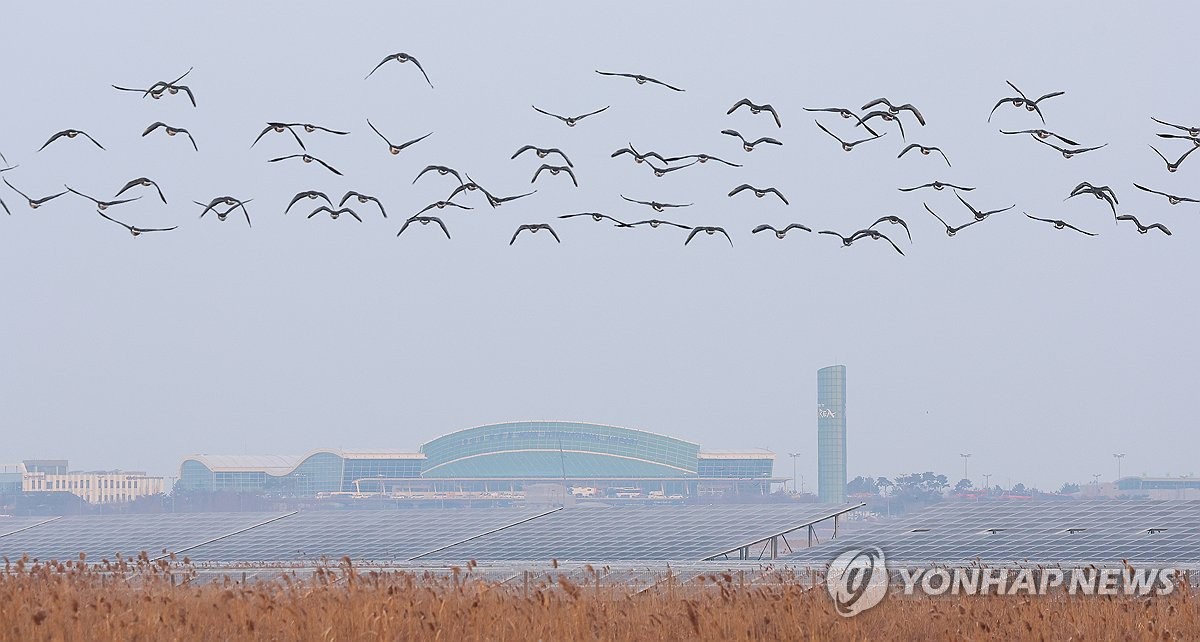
(103, 536)
(642, 533)
(1025, 533)
(13, 525)
(365, 536)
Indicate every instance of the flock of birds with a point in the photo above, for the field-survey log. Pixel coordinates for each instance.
(864, 126)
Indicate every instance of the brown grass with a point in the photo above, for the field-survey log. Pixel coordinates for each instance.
(143, 600)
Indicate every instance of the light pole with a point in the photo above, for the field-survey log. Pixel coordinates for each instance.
(793, 456)
(1096, 481)
(986, 477)
(964, 456)
(1118, 457)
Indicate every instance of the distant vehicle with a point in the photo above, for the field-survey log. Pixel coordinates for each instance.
(657, 494)
(585, 491)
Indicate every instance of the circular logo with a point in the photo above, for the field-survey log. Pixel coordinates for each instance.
(857, 580)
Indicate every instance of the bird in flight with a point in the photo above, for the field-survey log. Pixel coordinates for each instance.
(279, 128)
(101, 205)
(396, 149)
(709, 230)
(161, 87)
(402, 58)
(1103, 192)
(1059, 224)
(846, 146)
(978, 214)
(1142, 229)
(1067, 153)
(533, 229)
(70, 133)
(894, 220)
(597, 216)
(497, 201)
(950, 229)
(307, 159)
(639, 157)
(748, 145)
(424, 220)
(925, 151)
(1192, 131)
(228, 201)
(1173, 167)
(1171, 198)
(781, 233)
(895, 109)
(759, 192)
(640, 79)
(874, 235)
(1042, 134)
(334, 214)
(141, 182)
(554, 170)
(1195, 140)
(442, 170)
(1023, 101)
(844, 113)
(34, 203)
(756, 109)
(136, 231)
(887, 116)
(544, 152)
(937, 185)
(700, 158)
(570, 120)
(363, 199)
(663, 171)
(655, 205)
(441, 205)
(171, 131)
(654, 223)
(311, 195)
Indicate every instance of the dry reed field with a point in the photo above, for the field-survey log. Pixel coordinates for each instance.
(143, 600)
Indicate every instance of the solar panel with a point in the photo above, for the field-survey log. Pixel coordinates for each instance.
(1102, 532)
(365, 536)
(651, 533)
(10, 524)
(104, 536)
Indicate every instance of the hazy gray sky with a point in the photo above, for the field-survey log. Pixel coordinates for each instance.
(1040, 351)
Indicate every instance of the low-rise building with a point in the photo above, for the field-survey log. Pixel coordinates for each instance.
(94, 486)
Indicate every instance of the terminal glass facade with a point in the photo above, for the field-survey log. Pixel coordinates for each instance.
(831, 434)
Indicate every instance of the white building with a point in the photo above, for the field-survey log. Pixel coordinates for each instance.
(94, 486)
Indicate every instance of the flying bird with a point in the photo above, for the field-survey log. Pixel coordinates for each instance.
(1192, 132)
(442, 170)
(497, 201)
(1023, 101)
(279, 128)
(34, 203)
(658, 207)
(844, 113)
(1195, 141)
(554, 170)
(747, 145)
(533, 229)
(654, 223)
(895, 109)
(363, 199)
(171, 131)
(544, 152)
(310, 195)
(441, 205)
(925, 151)
(1171, 198)
(978, 214)
(756, 109)
(937, 185)
(401, 58)
(307, 159)
(136, 231)
(570, 120)
(663, 171)
(142, 182)
(1059, 224)
(1041, 133)
(1103, 192)
(1067, 153)
(781, 233)
(894, 220)
(70, 133)
(709, 230)
(874, 235)
(1142, 229)
(700, 158)
(396, 149)
(640, 79)
(639, 157)
(161, 87)
(950, 229)
(1173, 167)
(101, 205)
(759, 192)
(847, 146)
(424, 220)
(597, 216)
(230, 202)
(887, 116)
(334, 214)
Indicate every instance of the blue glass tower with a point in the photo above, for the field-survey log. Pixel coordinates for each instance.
(831, 434)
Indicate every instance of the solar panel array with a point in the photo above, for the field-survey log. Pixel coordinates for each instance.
(390, 537)
(650, 533)
(1101, 532)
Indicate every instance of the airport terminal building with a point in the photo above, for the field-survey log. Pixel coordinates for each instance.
(499, 458)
